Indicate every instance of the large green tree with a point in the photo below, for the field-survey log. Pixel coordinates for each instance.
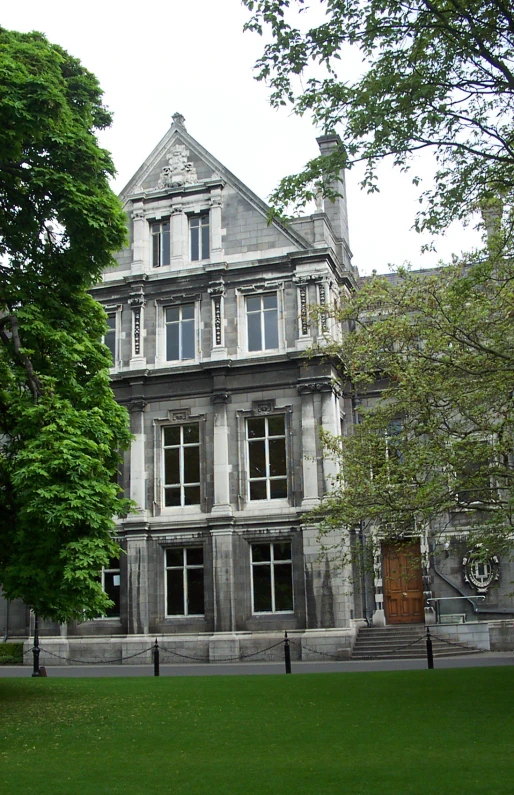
(61, 430)
(432, 74)
(430, 368)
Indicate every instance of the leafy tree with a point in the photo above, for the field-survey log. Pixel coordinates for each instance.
(430, 366)
(436, 74)
(60, 428)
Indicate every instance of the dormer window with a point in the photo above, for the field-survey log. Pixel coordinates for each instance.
(199, 236)
(160, 243)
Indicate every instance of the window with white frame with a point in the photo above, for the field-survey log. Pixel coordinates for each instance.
(184, 581)
(160, 232)
(267, 459)
(272, 577)
(179, 322)
(110, 338)
(262, 322)
(199, 236)
(181, 463)
(111, 586)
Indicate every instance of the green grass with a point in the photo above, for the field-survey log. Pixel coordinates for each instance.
(436, 732)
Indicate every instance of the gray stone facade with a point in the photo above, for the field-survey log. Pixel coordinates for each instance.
(212, 340)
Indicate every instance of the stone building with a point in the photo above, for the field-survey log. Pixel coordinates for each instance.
(209, 324)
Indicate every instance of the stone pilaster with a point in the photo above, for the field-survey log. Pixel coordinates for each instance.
(139, 237)
(137, 455)
(309, 447)
(222, 467)
(137, 585)
(223, 579)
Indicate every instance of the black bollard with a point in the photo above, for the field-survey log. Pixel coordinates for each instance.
(156, 659)
(36, 671)
(430, 653)
(287, 654)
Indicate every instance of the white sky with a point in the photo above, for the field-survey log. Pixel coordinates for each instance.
(192, 56)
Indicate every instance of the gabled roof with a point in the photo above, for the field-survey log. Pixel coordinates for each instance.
(176, 135)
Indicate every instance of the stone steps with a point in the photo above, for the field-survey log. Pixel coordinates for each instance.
(403, 643)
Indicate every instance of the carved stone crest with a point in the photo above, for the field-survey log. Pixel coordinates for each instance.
(179, 171)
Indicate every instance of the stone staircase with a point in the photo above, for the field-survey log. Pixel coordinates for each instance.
(403, 642)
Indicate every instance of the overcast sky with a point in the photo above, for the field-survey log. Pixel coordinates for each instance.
(153, 59)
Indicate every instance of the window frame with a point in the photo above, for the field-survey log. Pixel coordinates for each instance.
(180, 306)
(114, 311)
(267, 478)
(272, 564)
(115, 571)
(185, 580)
(161, 245)
(201, 241)
(182, 447)
(253, 291)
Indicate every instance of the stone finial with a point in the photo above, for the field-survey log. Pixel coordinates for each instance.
(179, 120)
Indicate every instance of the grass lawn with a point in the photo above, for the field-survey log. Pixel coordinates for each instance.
(429, 732)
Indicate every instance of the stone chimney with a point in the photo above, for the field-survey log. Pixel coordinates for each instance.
(336, 210)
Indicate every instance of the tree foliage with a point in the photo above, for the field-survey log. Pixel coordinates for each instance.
(434, 74)
(430, 365)
(60, 428)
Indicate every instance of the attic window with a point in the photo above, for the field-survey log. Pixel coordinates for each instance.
(160, 243)
(199, 236)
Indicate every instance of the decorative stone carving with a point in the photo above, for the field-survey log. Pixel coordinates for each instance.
(136, 405)
(179, 170)
(220, 397)
(323, 302)
(178, 415)
(304, 324)
(480, 572)
(217, 320)
(179, 120)
(137, 331)
(261, 407)
(307, 387)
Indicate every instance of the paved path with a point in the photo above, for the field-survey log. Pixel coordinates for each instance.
(222, 669)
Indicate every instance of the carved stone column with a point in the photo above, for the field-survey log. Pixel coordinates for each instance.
(330, 422)
(179, 234)
(137, 585)
(137, 455)
(222, 468)
(223, 579)
(309, 447)
(139, 244)
(218, 348)
(215, 223)
(137, 302)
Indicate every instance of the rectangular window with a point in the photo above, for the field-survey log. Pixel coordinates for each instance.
(111, 586)
(272, 578)
(267, 464)
(160, 243)
(199, 235)
(262, 322)
(180, 332)
(110, 336)
(184, 581)
(181, 455)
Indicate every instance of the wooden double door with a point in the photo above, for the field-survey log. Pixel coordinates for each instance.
(403, 583)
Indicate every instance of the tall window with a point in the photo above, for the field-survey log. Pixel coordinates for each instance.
(184, 582)
(262, 322)
(199, 234)
(272, 578)
(180, 332)
(110, 336)
(181, 447)
(267, 465)
(160, 243)
(111, 586)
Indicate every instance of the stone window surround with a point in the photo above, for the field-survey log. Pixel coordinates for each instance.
(161, 304)
(272, 564)
(176, 205)
(115, 310)
(263, 408)
(185, 568)
(180, 416)
(259, 288)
